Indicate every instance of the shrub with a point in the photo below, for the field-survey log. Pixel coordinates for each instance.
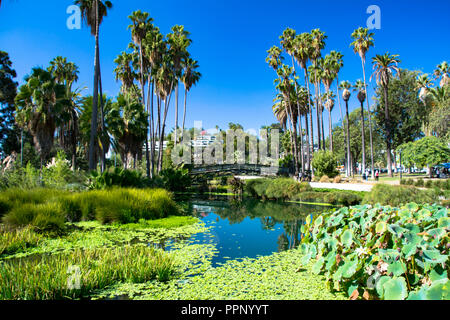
(176, 179)
(280, 188)
(324, 163)
(403, 250)
(324, 179)
(410, 182)
(42, 217)
(398, 195)
(118, 178)
(403, 181)
(419, 183)
(337, 179)
(429, 184)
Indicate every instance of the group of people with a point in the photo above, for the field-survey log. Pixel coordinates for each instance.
(366, 173)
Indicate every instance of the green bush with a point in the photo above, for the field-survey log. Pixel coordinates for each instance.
(176, 179)
(280, 188)
(398, 195)
(419, 182)
(48, 209)
(429, 184)
(118, 177)
(410, 182)
(381, 252)
(403, 181)
(324, 163)
(42, 217)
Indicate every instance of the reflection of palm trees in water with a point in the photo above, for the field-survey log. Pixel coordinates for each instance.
(268, 222)
(292, 229)
(283, 242)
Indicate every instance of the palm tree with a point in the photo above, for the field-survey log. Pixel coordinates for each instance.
(189, 78)
(125, 72)
(178, 41)
(317, 45)
(328, 76)
(66, 73)
(336, 62)
(288, 44)
(93, 12)
(362, 41)
(141, 24)
(360, 88)
(442, 71)
(329, 105)
(40, 104)
(302, 52)
(128, 121)
(384, 66)
(345, 86)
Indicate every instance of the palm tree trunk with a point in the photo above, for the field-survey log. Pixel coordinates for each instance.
(102, 116)
(184, 112)
(330, 128)
(317, 110)
(176, 113)
(363, 162)
(308, 151)
(311, 134)
(372, 165)
(388, 132)
(340, 108)
(300, 153)
(93, 135)
(148, 135)
(301, 143)
(349, 162)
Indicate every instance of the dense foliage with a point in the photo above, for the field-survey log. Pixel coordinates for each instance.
(398, 195)
(383, 252)
(325, 163)
(48, 210)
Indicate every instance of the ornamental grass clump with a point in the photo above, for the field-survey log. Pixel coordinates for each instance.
(381, 252)
(78, 273)
(398, 195)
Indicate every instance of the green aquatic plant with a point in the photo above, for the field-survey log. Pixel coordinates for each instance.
(383, 252)
(48, 277)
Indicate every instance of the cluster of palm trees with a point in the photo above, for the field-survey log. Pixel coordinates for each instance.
(48, 107)
(159, 64)
(293, 101)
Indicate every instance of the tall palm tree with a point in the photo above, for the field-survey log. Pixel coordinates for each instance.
(318, 38)
(336, 62)
(141, 24)
(362, 41)
(442, 71)
(189, 78)
(329, 105)
(288, 44)
(66, 73)
(178, 41)
(360, 88)
(93, 12)
(302, 52)
(345, 86)
(40, 104)
(125, 72)
(384, 66)
(328, 76)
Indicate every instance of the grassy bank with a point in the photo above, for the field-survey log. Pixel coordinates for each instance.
(49, 209)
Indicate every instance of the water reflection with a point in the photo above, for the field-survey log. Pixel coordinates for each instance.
(248, 227)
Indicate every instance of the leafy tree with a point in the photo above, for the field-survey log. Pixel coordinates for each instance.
(9, 133)
(428, 151)
(324, 163)
(406, 112)
(384, 66)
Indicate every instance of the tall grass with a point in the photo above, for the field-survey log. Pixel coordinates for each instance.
(398, 195)
(47, 209)
(50, 277)
(18, 240)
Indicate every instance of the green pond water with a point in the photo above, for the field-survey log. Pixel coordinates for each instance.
(248, 228)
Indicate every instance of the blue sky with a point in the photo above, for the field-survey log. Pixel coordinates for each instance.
(230, 40)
